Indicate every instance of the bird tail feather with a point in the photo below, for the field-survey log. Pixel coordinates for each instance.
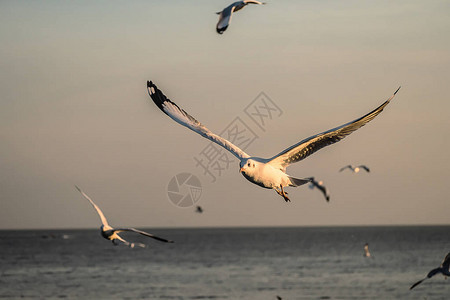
(298, 181)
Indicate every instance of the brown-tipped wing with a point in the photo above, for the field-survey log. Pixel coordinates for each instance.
(183, 118)
(316, 142)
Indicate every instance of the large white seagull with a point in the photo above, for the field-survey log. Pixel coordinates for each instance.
(266, 172)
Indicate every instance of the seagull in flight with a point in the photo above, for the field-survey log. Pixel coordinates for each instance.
(268, 173)
(444, 269)
(225, 14)
(319, 185)
(111, 234)
(355, 169)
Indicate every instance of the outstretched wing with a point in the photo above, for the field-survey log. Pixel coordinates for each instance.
(100, 213)
(429, 275)
(224, 18)
(143, 233)
(364, 167)
(316, 142)
(417, 283)
(346, 167)
(183, 118)
(227, 12)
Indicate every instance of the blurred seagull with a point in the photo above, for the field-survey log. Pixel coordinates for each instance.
(225, 14)
(366, 250)
(110, 233)
(319, 184)
(444, 269)
(355, 169)
(269, 173)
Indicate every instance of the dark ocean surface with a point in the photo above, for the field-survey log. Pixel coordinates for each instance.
(227, 263)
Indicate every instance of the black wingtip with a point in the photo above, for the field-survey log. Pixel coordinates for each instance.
(416, 284)
(157, 96)
(221, 30)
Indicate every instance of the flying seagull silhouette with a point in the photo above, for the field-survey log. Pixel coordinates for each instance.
(226, 13)
(111, 234)
(271, 172)
(355, 169)
(444, 269)
(319, 185)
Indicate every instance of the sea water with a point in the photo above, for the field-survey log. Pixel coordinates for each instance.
(227, 263)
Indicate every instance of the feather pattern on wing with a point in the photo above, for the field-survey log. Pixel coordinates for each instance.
(183, 118)
(316, 142)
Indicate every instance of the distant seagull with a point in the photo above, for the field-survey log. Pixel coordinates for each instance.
(199, 209)
(319, 184)
(366, 250)
(268, 173)
(355, 169)
(444, 269)
(111, 234)
(225, 14)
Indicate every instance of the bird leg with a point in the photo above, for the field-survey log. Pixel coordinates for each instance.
(282, 193)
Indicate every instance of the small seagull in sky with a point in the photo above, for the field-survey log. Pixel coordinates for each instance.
(355, 169)
(226, 13)
(444, 269)
(271, 172)
(111, 234)
(319, 185)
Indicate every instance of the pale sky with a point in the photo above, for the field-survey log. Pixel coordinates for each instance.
(75, 110)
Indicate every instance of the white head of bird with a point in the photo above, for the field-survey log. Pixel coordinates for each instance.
(247, 166)
(250, 168)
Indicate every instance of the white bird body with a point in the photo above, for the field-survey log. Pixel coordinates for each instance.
(111, 233)
(268, 173)
(263, 174)
(227, 12)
